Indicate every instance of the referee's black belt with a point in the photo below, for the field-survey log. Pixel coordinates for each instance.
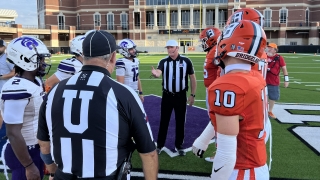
(174, 93)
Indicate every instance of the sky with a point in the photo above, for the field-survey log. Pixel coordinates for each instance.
(26, 9)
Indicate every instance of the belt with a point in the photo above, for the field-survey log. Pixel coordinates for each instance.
(173, 94)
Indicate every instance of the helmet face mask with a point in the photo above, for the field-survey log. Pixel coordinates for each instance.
(126, 46)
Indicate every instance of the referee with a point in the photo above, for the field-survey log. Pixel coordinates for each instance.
(175, 70)
(87, 121)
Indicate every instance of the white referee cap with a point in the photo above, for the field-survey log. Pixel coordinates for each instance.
(171, 43)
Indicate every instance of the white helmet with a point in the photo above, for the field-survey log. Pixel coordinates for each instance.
(26, 52)
(125, 45)
(76, 45)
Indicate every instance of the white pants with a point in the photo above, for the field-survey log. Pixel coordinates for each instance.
(260, 173)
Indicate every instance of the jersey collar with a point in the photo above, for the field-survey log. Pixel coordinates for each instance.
(95, 68)
(231, 67)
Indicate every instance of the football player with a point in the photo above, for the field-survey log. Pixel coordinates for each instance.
(21, 97)
(127, 68)
(208, 38)
(237, 105)
(68, 67)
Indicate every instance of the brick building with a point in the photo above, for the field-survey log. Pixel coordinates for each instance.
(151, 22)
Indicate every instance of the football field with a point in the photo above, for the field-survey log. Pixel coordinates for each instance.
(295, 133)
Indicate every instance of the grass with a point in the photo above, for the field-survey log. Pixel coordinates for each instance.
(292, 159)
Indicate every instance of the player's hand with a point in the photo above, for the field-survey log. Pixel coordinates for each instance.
(286, 84)
(197, 152)
(32, 172)
(142, 98)
(191, 100)
(154, 72)
(51, 178)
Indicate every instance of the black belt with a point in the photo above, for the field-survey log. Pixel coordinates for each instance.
(175, 93)
(66, 176)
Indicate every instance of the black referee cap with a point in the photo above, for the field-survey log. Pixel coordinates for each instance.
(99, 43)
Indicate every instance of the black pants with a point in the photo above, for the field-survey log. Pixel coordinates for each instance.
(59, 175)
(178, 102)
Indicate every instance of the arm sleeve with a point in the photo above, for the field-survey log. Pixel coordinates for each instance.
(160, 65)
(62, 75)
(16, 106)
(226, 99)
(282, 62)
(140, 128)
(190, 69)
(43, 132)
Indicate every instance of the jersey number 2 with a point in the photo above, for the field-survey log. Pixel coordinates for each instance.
(228, 100)
(135, 74)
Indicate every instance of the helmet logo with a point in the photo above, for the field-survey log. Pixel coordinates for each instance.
(210, 33)
(27, 42)
(124, 44)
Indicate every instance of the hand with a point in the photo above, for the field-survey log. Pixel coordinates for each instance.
(191, 100)
(286, 84)
(32, 172)
(51, 178)
(142, 98)
(197, 152)
(154, 72)
(51, 167)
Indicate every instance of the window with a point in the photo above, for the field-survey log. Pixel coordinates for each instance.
(293, 43)
(185, 19)
(174, 19)
(124, 20)
(136, 2)
(61, 21)
(267, 17)
(283, 15)
(161, 17)
(110, 21)
(196, 18)
(150, 19)
(78, 21)
(307, 17)
(97, 19)
(209, 18)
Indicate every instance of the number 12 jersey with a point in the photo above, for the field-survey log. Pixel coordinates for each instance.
(130, 70)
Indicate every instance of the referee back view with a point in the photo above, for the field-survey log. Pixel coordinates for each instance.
(88, 120)
(175, 70)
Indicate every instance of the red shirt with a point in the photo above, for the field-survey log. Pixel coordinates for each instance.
(274, 65)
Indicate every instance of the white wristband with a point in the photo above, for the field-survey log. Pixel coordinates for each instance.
(286, 78)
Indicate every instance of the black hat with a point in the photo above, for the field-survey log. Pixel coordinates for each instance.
(2, 43)
(99, 43)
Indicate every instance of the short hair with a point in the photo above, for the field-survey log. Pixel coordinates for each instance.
(104, 57)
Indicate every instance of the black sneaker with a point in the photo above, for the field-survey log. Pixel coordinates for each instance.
(181, 152)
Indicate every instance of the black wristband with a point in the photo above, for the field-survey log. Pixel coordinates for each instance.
(140, 93)
(193, 95)
(28, 165)
(51, 174)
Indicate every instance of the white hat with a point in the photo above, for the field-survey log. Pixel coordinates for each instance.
(171, 43)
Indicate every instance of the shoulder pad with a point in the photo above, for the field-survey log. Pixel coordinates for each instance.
(15, 88)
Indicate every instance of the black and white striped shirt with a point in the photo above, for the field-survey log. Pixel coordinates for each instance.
(89, 120)
(175, 73)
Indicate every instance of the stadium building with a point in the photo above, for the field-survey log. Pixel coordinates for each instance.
(151, 22)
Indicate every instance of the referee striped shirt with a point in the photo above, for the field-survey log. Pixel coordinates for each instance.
(175, 73)
(89, 120)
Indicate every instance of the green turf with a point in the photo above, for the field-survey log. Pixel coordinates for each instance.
(292, 159)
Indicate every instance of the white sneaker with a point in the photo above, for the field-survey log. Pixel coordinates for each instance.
(209, 159)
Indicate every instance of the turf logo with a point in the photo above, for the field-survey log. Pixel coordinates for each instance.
(309, 135)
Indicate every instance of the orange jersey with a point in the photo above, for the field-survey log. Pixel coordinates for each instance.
(262, 66)
(210, 69)
(242, 94)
